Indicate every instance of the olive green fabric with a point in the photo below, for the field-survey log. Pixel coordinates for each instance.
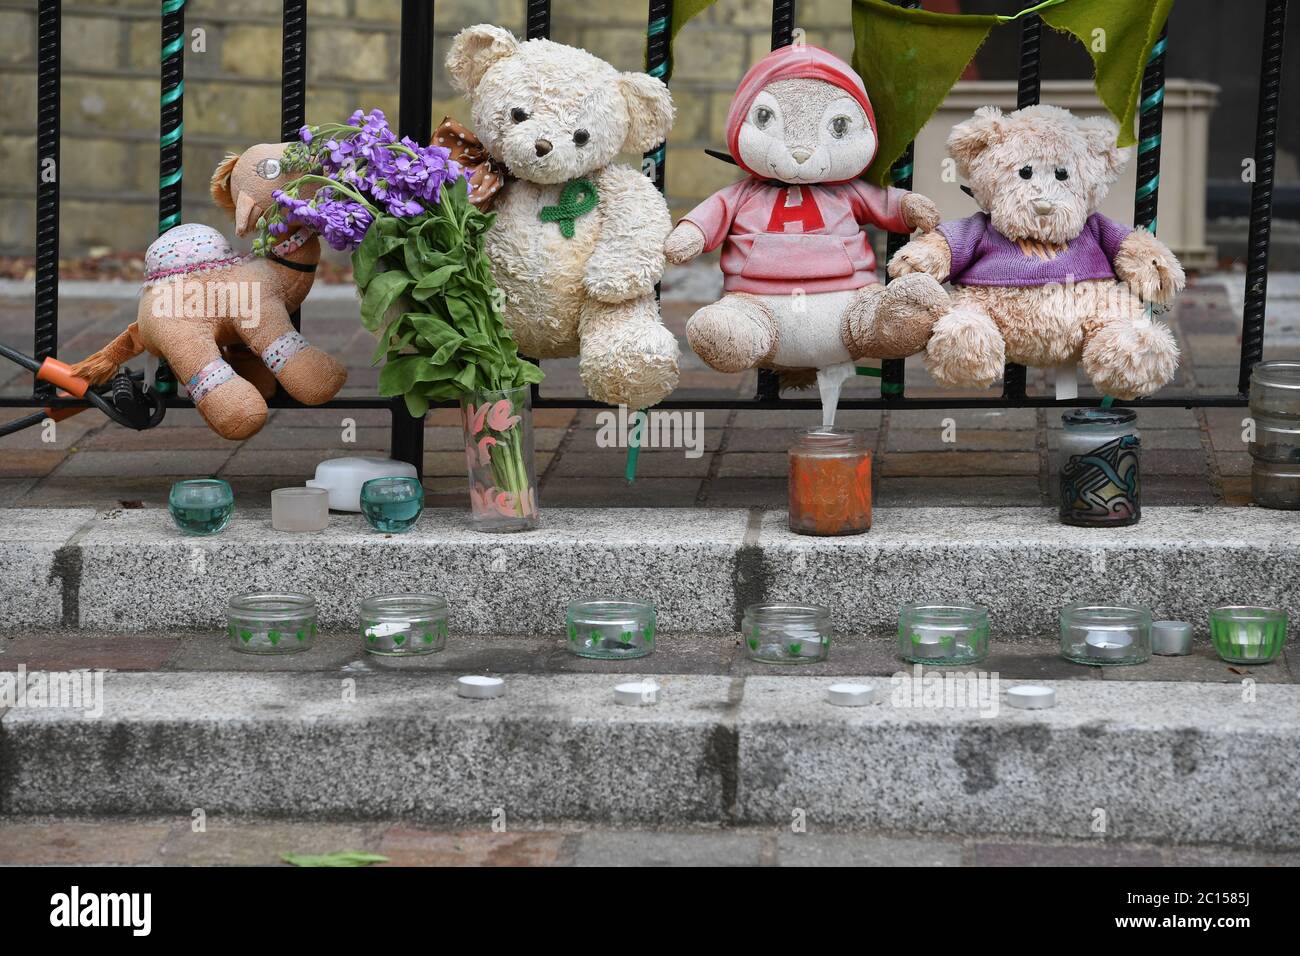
(683, 10)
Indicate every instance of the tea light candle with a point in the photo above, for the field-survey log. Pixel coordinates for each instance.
(1171, 638)
(300, 509)
(478, 687)
(850, 695)
(1031, 697)
(931, 642)
(641, 693)
(1105, 645)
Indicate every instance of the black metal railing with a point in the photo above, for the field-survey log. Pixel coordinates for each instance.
(416, 97)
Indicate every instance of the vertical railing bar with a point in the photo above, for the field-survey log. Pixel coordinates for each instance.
(293, 83)
(1261, 192)
(769, 382)
(893, 371)
(415, 119)
(658, 63)
(1151, 112)
(537, 26)
(172, 114)
(46, 316)
(1028, 86)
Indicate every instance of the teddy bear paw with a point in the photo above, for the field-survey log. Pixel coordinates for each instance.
(966, 350)
(637, 369)
(684, 243)
(1127, 360)
(1149, 268)
(920, 212)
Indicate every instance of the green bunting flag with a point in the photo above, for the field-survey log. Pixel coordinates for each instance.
(910, 59)
(1119, 35)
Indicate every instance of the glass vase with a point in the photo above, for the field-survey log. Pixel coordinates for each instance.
(498, 427)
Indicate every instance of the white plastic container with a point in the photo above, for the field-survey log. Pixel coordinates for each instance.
(343, 478)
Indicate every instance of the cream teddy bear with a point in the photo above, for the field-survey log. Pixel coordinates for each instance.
(799, 273)
(1041, 277)
(577, 245)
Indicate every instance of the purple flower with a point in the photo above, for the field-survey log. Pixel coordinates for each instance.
(305, 134)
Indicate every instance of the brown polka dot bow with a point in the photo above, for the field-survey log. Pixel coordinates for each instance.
(487, 176)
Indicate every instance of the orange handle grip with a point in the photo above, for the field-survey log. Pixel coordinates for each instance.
(60, 374)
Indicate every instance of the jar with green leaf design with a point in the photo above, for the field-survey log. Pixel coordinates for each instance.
(608, 629)
(271, 622)
(786, 633)
(404, 625)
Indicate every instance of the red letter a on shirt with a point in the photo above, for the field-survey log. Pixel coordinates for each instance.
(804, 211)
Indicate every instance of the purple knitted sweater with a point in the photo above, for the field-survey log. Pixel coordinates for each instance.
(983, 256)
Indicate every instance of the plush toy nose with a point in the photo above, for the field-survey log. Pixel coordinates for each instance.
(543, 146)
(1043, 207)
(801, 155)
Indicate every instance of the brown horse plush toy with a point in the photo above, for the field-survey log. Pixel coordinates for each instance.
(222, 321)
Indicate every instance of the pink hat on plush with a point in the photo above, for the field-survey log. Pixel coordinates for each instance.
(792, 63)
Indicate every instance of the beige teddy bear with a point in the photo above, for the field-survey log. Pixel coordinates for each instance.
(577, 245)
(799, 272)
(1041, 278)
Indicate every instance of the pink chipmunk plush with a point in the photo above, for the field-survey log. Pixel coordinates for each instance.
(201, 303)
(799, 272)
(1040, 277)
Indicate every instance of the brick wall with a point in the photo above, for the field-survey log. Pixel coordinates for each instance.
(110, 91)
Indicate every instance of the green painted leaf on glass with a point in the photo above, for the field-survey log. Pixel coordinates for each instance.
(795, 649)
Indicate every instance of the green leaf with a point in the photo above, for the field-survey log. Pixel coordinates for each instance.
(347, 858)
(382, 291)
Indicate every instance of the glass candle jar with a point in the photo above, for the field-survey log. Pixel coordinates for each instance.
(403, 625)
(786, 633)
(1275, 484)
(1275, 389)
(392, 505)
(611, 630)
(1098, 464)
(1102, 634)
(300, 509)
(943, 633)
(830, 483)
(1248, 635)
(271, 622)
(201, 506)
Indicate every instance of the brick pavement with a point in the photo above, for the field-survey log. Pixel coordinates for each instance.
(1190, 456)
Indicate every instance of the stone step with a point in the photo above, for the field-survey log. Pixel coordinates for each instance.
(1146, 761)
(130, 570)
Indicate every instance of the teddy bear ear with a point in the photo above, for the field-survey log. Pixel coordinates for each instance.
(474, 50)
(220, 184)
(649, 111)
(1101, 133)
(971, 137)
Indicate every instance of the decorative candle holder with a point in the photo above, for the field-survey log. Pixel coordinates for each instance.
(611, 630)
(1275, 484)
(201, 506)
(1098, 463)
(300, 509)
(1275, 389)
(271, 622)
(1103, 635)
(786, 633)
(1248, 635)
(943, 633)
(830, 483)
(392, 505)
(404, 625)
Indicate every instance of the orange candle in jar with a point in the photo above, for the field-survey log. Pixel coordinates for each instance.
(830, 483)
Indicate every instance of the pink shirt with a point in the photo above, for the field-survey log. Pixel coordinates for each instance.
(780, 238)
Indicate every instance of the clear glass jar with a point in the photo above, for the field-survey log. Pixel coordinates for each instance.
(498, 430)
(392, 505)
(1103, 634)
(271, 622)
(1275, 439)
(943, 633)
(201, 506)
(1248, 635)
(610, 629)
(786, 633)
(404, 625)
(830, 483)
(1098, 464)
(1275, 484)
(1275, 389)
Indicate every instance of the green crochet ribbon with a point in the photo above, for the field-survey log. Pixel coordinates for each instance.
(578, 198)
